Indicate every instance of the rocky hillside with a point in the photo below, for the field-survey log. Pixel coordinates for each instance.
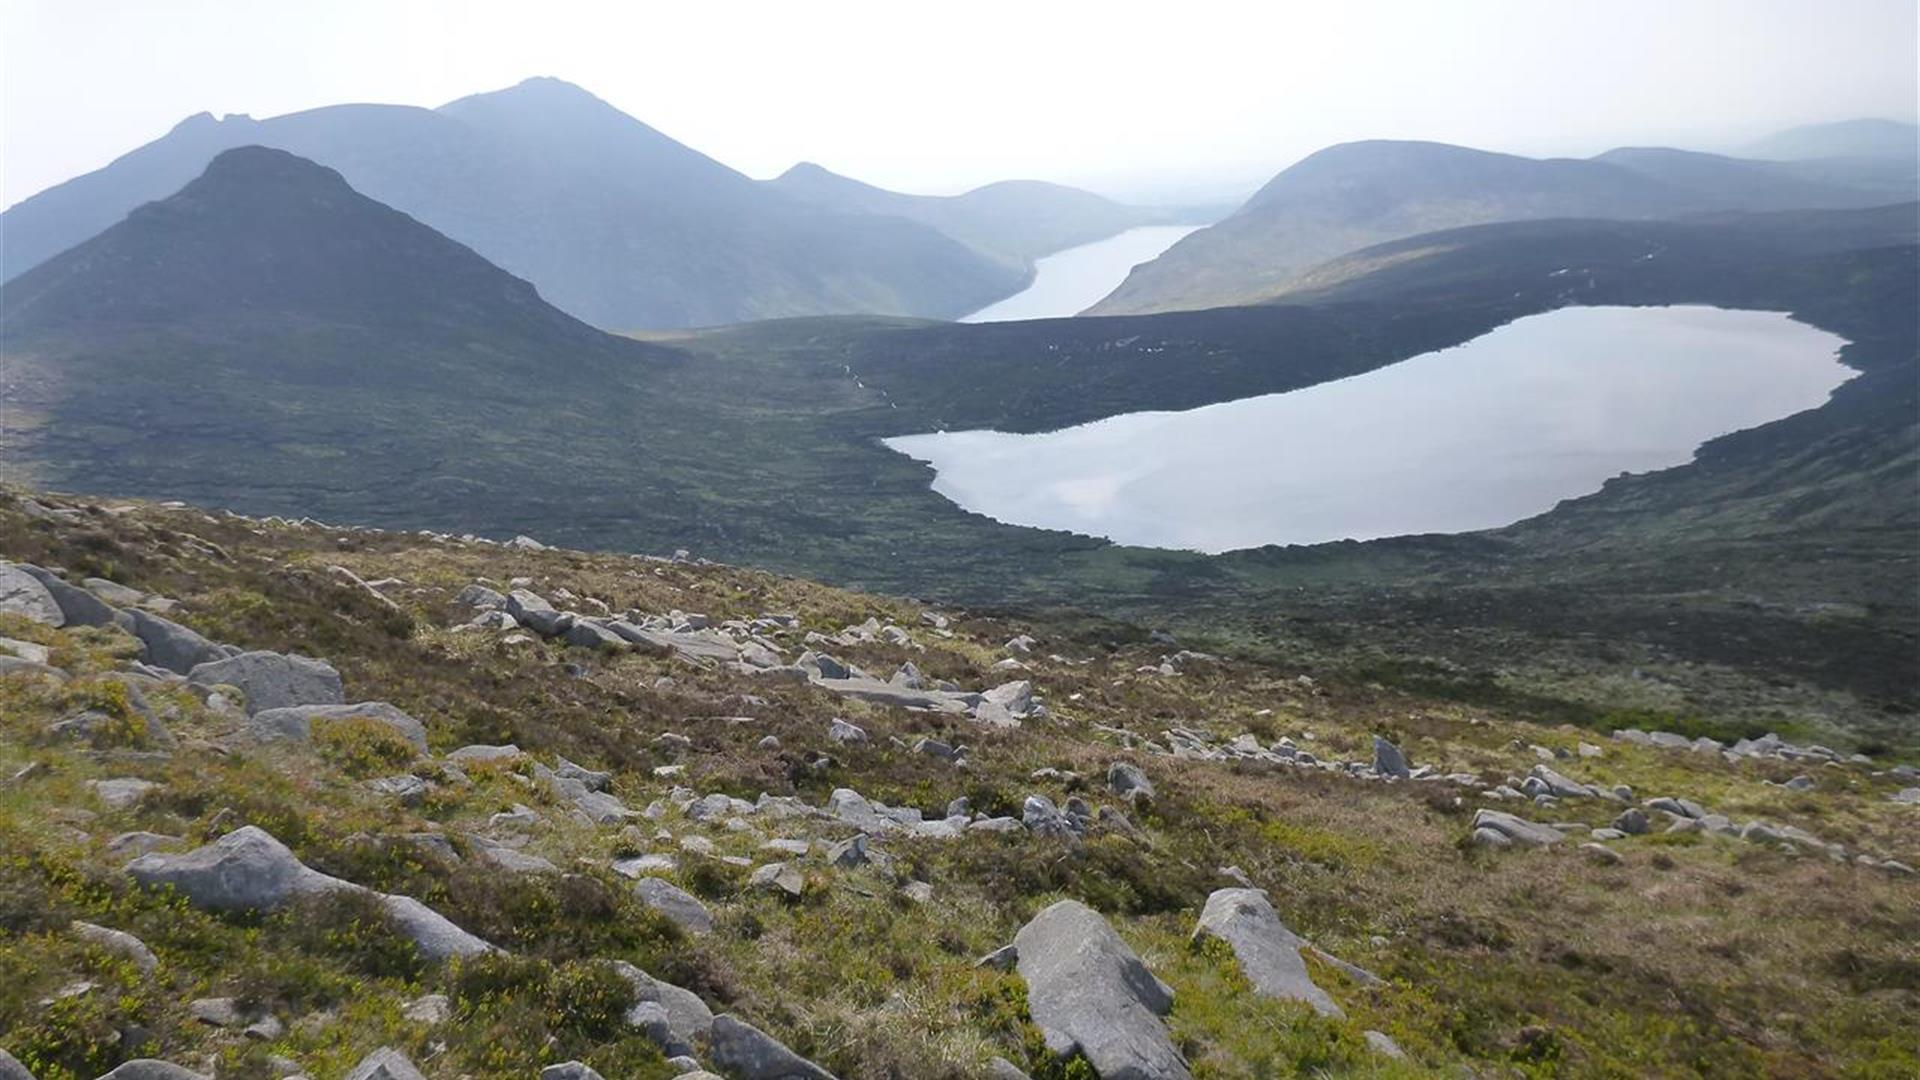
(1355, 195)
(285, 798)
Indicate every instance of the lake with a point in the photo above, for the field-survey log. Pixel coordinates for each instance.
(1481, 435)
(1071, 281)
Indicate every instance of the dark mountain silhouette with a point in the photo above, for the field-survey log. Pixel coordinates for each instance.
(1016, 221)
(1355, 195)
(615, 222)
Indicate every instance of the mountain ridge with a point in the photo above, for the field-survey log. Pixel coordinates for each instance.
(562, 189)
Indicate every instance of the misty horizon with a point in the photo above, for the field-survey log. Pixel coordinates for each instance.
(1129, 106)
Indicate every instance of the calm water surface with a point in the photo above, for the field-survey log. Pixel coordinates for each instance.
(1071, 281)
(1473, 437)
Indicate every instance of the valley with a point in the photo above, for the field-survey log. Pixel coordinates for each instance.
(490, 590)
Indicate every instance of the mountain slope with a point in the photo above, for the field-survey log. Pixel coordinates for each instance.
(613, 221)
(1352, 196)
(269, 327)
(1016, 221)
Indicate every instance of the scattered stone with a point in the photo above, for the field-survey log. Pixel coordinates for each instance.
(118, 794)
(428, 1009)
(1128, 782)
(679, 906)
(1388, 760)
(1601, 853)
(217, 1012)
(778, 877)
(1633, 822)
(532, 611)
(570, 1070)
(1384, 1045)
(155, 1069)
(118, 942)
(1511, 830)
(842, 732)
(743, 1052)
(1268, 952)
(1087, 991)
(850, 853)
(385, 1063)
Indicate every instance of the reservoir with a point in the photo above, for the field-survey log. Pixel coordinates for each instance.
(1071, 281)
(1481, 435)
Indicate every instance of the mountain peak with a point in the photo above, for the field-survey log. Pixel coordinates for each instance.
(264, 164)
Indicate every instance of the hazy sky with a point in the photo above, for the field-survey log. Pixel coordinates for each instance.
(1135, 99)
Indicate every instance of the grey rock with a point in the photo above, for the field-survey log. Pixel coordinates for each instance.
(480, 597)
(850, 852)
(294, 723)
(681, 907)
(167, 644)
(272, 680)
(1516, 830)
(1002, 1069)
(743, 1052)
(515, 861)
(1633, 822)
(480, 752)
(122, 792)
(1128, 781)
(570, 1070)
(11, 1069)
(532, 611)
(1268, 952)
(1559, 786)
(778, 877)
(118, 942)
(428, 1009)
(1601, 853)
(113, 592)
(1087, 990)
(1004, 958)
(842, 732)
(218, 1012)
(687, 1018)
(935, 748)
(410, 790)
(1383, 1045)
(129, 844)
(22, 594)
(1388, 760)
(77, 606)
(593, 779)
(152, 1069)
(1015, 697)
(385, 1063)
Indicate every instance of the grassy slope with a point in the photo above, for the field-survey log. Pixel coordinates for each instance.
(1692, 958)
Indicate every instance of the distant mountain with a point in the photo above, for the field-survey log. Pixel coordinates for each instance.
(614, 222)
(1355, 195)
(1015, 221)
(1846, 139)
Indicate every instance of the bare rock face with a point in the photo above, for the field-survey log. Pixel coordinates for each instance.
(152, 1069)
(1089, 992)
(1268, 952)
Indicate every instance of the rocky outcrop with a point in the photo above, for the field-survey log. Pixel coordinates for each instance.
(1492, 828)
(1268, 952)
(249, 870)
(273, 680)
(1089, 993)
